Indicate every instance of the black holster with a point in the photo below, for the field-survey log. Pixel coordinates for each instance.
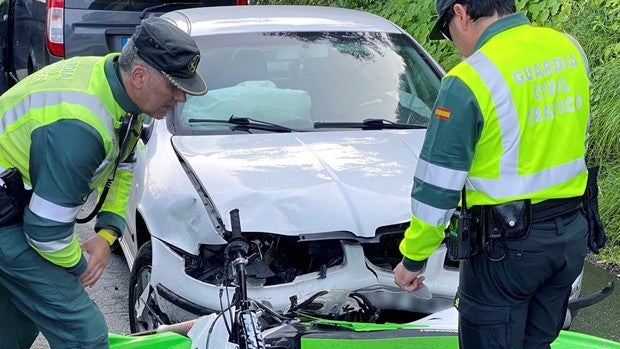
(508, 221)
(505, 222)
(596, 232)
(13, 197)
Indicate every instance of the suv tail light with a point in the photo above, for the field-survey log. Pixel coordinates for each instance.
(54, 27)
(242, 2)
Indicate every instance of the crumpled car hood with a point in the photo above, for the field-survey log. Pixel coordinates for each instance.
(308, 183)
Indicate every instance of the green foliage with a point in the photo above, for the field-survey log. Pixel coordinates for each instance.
(605, 124)
(545, 12)
(596, 25)
(609, 206)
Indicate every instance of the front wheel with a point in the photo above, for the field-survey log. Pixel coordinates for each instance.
(142, 316)
(251, 335)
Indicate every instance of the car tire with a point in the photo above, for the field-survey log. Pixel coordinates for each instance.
(141, 318)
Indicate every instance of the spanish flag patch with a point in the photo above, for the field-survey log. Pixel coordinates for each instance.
(442, 113)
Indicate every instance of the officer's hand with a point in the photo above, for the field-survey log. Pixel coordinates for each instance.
(407, 280)
(99, 251)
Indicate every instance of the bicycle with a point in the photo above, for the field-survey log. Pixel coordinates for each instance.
(235, 326)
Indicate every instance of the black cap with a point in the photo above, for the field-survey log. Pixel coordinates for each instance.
(167, 48)
(440, 6)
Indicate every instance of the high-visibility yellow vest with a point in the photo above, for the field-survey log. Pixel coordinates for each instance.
(535, 105)
(72, 89)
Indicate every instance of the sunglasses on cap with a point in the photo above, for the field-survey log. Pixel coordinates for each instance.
(445, 25)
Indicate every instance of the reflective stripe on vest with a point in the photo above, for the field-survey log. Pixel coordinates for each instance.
(48, 98)
(510, 183)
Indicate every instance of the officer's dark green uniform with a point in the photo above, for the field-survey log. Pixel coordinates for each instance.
(510, 124)
(62, 128)
(61, 142)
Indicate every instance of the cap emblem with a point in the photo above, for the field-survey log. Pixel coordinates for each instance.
(193, 64)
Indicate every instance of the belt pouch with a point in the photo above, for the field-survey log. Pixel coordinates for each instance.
(509, 221)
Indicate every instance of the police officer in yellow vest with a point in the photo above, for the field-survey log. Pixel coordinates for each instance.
(68, 129)
(509, 125)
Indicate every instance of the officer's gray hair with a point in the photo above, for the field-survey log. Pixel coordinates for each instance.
(129, 58)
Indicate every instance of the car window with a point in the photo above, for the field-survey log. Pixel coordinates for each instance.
(297, 79)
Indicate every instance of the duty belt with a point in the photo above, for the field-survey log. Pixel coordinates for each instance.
(552, 208)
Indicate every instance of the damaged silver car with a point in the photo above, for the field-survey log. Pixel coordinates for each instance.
(311, 128)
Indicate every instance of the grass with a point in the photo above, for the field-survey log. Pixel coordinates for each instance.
(609, 208)
(605, 124)
(593, 23)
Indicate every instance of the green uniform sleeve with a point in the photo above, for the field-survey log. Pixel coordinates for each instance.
(450, 142)
(63, 158)
(449, 145)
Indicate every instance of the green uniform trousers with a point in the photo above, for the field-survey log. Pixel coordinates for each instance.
(36, 295)
(521, 301)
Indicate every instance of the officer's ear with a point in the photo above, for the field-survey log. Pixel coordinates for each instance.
(461, 17)
(139, 76)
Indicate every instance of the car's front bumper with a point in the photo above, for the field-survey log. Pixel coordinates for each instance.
(182, 297)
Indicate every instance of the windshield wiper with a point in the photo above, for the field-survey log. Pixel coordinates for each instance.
(250, 123)
(368, 124)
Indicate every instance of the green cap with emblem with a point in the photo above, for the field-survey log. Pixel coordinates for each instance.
(167, 48)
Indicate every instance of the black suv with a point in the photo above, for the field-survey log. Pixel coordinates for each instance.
(35, 33)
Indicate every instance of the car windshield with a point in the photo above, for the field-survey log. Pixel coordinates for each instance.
(305, 81)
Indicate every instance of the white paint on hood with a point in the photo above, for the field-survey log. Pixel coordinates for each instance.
(300, 183)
